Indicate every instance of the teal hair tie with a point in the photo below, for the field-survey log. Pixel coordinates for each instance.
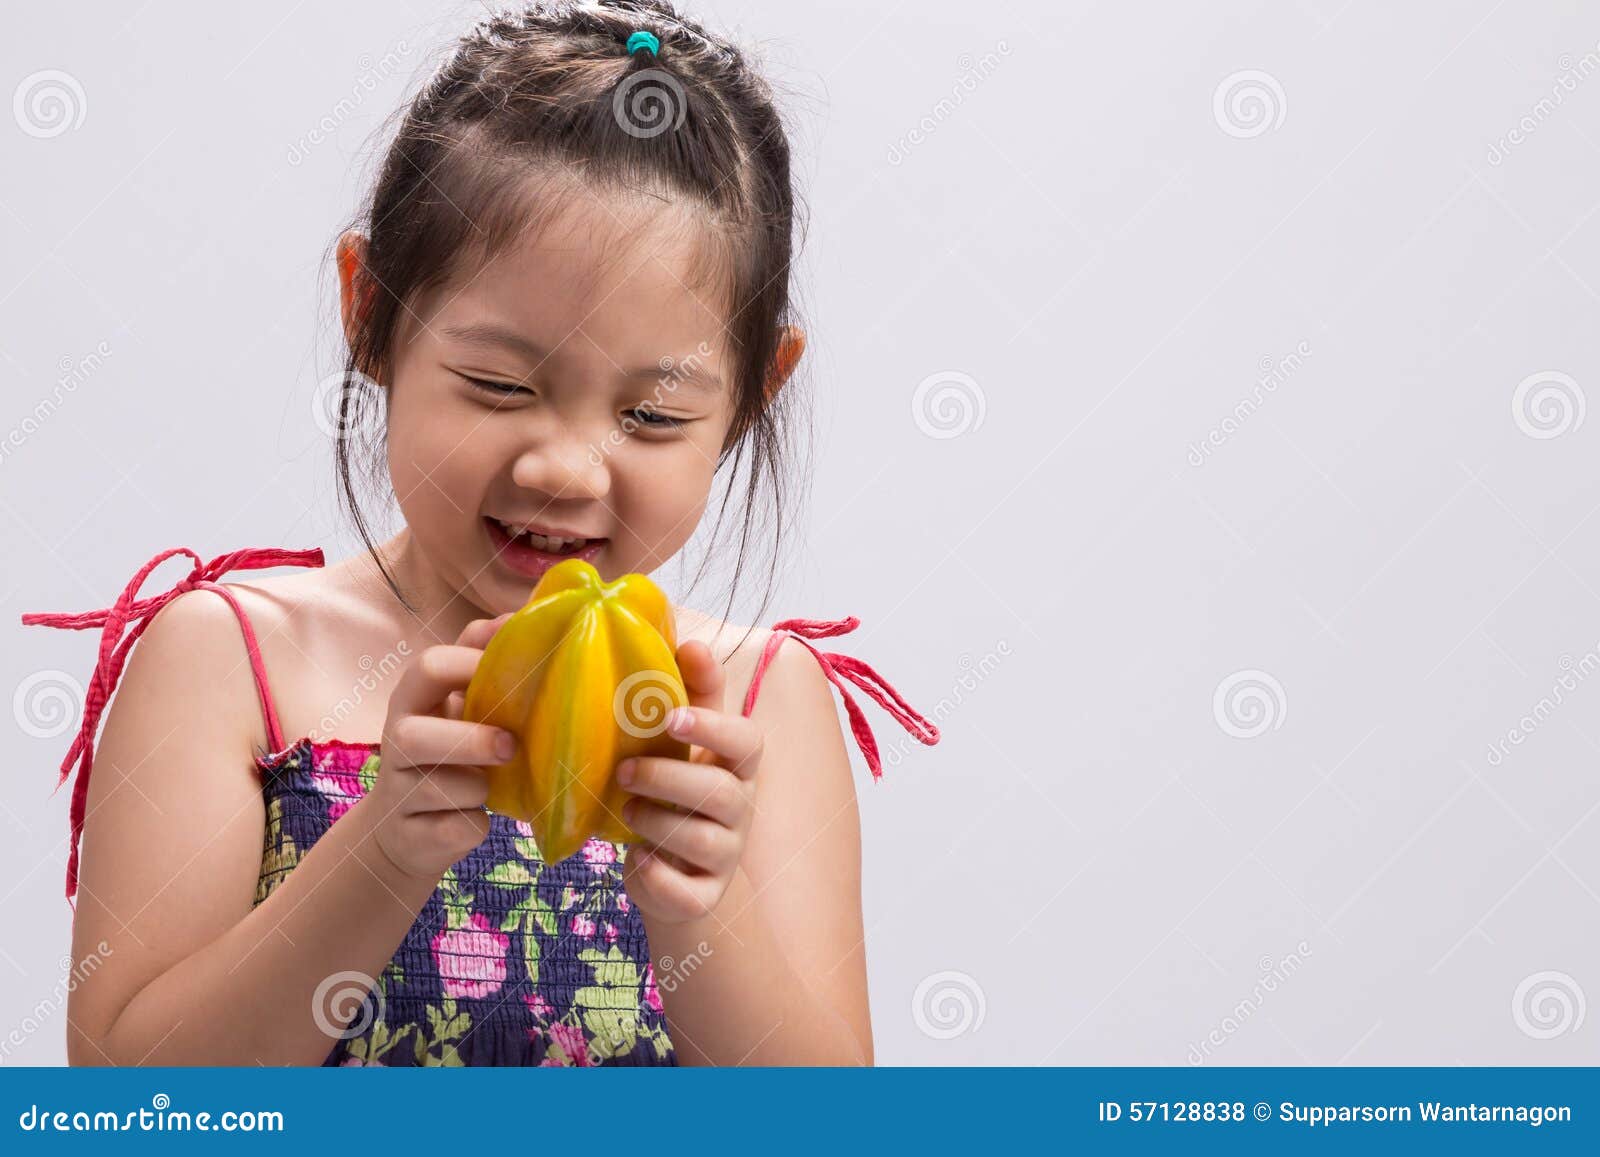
(643, 39)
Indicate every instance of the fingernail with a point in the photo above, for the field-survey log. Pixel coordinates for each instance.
(629, 810)
(505, 745)
(680, 721)
(625, 771)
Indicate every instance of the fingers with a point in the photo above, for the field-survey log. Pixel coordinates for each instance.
(709, 791)
(425, 741)
(478, 632)
(734, 741)
(703, 845)
(475, 634)
(448, 788)
(655, 878)
(428, 680)
(702, 675)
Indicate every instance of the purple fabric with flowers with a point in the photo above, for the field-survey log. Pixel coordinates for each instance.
(512, 961)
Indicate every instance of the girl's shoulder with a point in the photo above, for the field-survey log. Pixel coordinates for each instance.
(792, 680)
(315, 639)
(737, 647)
(733, 644)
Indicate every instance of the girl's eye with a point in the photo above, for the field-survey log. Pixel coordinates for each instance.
(645, 416)
(495, 389)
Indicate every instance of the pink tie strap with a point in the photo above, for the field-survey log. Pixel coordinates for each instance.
(114, 650)
(839, 668)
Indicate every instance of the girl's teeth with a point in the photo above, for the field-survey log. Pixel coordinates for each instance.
(540, 542)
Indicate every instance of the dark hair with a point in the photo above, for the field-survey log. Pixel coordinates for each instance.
(547, 98)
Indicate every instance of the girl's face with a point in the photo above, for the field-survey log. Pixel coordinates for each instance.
(577, 385)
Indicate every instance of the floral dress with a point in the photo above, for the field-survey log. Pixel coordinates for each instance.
(512, 961)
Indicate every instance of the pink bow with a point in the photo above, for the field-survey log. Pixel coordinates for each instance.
(114, 650)
(839, 668)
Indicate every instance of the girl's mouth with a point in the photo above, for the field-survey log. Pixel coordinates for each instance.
(531, 555)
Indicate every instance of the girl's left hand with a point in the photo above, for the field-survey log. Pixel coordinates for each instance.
(686, 856)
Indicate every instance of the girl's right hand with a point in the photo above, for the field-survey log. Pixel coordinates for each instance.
(427, 802)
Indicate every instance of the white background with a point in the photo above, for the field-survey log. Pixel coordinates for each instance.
(1089, 868)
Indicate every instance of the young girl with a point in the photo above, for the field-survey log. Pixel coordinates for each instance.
(567, 302)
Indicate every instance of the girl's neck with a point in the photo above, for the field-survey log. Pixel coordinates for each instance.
(439, 612)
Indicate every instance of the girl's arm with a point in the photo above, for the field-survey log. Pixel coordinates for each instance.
(185, 971)
(776, 973)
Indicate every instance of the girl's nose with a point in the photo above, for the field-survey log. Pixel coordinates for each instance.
(563, 465)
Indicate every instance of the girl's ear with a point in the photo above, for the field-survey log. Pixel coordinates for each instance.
(355, 287)
(791, 344)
